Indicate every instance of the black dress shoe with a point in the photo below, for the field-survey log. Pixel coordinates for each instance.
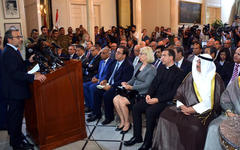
(87, 110)
(90, 115)
(124, 132)
(119, 129)
(145, 146)
(93, 118)
(133, 141)
(107, 121)
(24, 146)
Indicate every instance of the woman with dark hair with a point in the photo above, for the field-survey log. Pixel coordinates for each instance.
(222, 60)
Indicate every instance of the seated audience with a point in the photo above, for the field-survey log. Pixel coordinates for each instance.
(72, 52)
(120, 71)
(231, 71)
(142, 77)
(181, 62)
(197, 49)
(135, 58)
(158, 54)
(211, 51)
(160, 94)
(90, 86)
(80, 51)
(184, 126)
(91, 67)
(113, 50)
(222, 60)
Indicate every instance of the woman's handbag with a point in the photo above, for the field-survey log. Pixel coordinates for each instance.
(129, 94)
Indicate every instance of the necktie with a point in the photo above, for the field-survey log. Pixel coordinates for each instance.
(177, 64)
(18, 51)
(135, 62)
(88, 54)
(235, 72)
(111, 80)
(101, 71)
(156, 63)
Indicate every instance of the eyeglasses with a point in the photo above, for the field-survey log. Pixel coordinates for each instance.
(158, 52)
(118, 53)
(92, 50)
(17, 37)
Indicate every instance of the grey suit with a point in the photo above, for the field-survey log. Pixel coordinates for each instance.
(144, 79)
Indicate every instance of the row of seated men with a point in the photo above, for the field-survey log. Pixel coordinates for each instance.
(156, 82)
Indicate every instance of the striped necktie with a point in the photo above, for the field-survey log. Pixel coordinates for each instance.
(111, 80)
(235, 72)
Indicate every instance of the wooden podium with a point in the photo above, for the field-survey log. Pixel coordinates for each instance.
(55, 113)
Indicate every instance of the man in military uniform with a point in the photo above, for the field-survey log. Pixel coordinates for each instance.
(54, 38)
(63, 40)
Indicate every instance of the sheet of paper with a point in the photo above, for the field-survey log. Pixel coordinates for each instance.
(34, 69)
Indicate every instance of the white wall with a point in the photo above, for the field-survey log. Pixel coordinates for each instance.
(226, 10)
(107, 9)
(154, 13)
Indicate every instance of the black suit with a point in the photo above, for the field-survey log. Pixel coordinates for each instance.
(227, 72)
(186, 66)
(75, 56)
(163, 87)
(15, 83)
(91, 68)
(3, 107)
(123, 74)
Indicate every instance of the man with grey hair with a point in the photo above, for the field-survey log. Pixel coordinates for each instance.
(90, 86)
(15, 89)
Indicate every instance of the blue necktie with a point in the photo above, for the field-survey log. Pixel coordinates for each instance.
(176, 63)
(111, 80)
(19, 53)
(101, 71)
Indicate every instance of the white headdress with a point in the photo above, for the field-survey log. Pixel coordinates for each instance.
(203, 79)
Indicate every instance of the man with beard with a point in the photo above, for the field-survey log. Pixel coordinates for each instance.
(184, 126)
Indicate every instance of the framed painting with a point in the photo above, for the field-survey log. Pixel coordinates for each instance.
(189, 12)
(8, 26)
(10, 9)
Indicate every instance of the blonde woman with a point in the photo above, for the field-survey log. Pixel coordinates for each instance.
(143, 75)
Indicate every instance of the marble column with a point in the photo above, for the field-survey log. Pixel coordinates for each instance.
(90, 19)
(139, 20)
(33, 15)
(174, 5)
(204, 12)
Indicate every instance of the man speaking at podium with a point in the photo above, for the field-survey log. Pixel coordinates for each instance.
(15, 86)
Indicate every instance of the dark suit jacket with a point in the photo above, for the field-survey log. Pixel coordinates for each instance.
(15, 80)
(186, 66)
(92, 69)
(105, 70)
(75, 56)
(123, 74)
(227, 72)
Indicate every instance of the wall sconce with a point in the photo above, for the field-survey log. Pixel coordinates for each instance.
(43, 10)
